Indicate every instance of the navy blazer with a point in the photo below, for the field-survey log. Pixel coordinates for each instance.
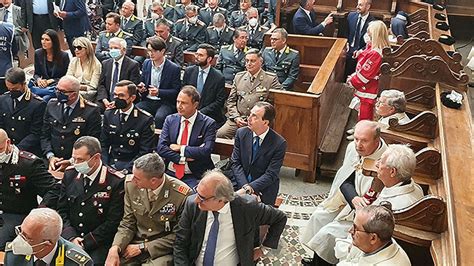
(352, 19)
(170, 83)
(76, 22)
(265, 169)
(303, 25)
(200, 145)
(213, 95)
(58, 71)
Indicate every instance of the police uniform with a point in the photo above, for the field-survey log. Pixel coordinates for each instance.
(67, 254)
(287, 66)
(255, 36)
(206, 14)
(102, 47)
(246, 92)
(168, 11)
(22, 179)
(153, 219)
(192, 37)
(134, 26)
(179, 12)
(174, 50)
(92, 212)
(60, 132)
(230, 64)
(126, 140)
(237, 19)
(218, 39)
(23, 120)
(149, 26)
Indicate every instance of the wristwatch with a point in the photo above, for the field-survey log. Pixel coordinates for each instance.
(141, 246)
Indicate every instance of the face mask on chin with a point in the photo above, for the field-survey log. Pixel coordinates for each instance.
(21, 247)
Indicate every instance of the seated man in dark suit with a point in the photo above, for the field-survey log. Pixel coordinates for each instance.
(209, 82)
(231, 58)
(304, 20)
(160, 82)
(127, 131)
(217, 227)
(174, 45)
(207, 13)
(119, 67)
(255, 30)
(190, 29)
(258, 155)
(219, 33)
(187, 139)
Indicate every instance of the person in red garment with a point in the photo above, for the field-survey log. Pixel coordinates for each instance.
(365, 80)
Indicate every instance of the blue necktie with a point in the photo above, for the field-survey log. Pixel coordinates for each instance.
(255, 147)
(5, 16)
(210, 251)
(200, 81)
(114, 79)
(357, 34)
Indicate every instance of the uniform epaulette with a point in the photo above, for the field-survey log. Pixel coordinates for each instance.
(90, 103)
(268, 48)
(77, 257)
(241, 73)
(264, 28)
(116, 173)
(27, 155)
(103, 32)
(183, 189)
(228, 47)
(293, 50)
(127, 34)
(210, 27)
(144, 112)
(177, 38)
(128, 178)
(181, 20)
(227, 29)
(8, 247)
(200, 23)
(270, 73)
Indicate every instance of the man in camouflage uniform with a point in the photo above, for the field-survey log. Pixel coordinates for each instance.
(249, 87)
(112, 29)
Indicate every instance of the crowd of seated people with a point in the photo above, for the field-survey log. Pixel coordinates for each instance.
(91, 120)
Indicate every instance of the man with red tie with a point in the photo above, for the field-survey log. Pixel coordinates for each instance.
(187, 139)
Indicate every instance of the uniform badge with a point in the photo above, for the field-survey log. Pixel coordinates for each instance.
(94, 203)
(109, 187)
(77, 132)
(183, 190)
(100, 211)
(168, 209)
(167, 193)
(162, 218)
(131, 142)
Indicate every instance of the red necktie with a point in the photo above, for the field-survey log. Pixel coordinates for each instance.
(179, 168)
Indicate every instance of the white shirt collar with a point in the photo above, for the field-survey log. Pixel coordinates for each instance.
(261, 136)
(191, 119)
(10, 9)
(206, 70)
(308, 13)
(161, 65)
(225, 208)
(282, 50)
(93, 176)
(154, 193)
(48, 258)
(120, 60)
(129, 111)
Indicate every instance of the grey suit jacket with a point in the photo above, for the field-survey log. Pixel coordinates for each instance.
(247, 216)
(18, 22)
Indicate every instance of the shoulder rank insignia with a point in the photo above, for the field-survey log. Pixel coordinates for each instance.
(183, 190)
(128, 178)
(77, 257)
(119, 174)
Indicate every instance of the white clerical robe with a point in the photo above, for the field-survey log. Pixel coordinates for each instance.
(402, 118)
(322, 230)
(389, 256)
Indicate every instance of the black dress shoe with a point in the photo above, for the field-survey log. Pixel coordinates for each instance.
(307, 262)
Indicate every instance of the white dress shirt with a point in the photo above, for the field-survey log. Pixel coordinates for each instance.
(94, 175)
(48, 258)
(226, 248)
(362, 23)
(261, 137)
(182, 160)
(204, 74)
(120, 61)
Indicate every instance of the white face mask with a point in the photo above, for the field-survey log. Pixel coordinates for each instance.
(193, 20)
(3, 157)
(154, 16)
(83, 167)
(366, 38)
(21, 247)
(253, 22)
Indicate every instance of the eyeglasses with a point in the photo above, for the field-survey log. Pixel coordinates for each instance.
(354, 229)
(78, 48)
(201, 198)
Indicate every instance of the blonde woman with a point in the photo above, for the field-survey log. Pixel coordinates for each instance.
(85, 67)
(365, 80)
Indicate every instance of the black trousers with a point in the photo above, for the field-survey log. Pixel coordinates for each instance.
(40, 24)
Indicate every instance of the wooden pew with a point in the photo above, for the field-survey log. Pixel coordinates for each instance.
(420, 14)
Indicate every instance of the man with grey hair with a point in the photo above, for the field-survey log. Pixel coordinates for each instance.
(67, 118)
(281, 59)
(253, 27)
(217, 227)
(91, 200)
(219, 33)
(206, 14)
(190, 29)
(38, 242)
(371, 237)
(153, 205)
(391, 104)
(131, 23)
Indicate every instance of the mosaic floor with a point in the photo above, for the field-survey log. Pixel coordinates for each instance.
(298, 210)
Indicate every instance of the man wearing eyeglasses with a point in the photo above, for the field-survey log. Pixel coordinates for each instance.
(23, 177)
(371, 237)
(153, 205)
(217, 227)
(38, 243)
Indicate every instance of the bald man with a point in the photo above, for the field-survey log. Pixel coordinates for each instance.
(23, 177)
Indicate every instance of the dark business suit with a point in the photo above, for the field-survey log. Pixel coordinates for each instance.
(355, 45)
(303, 25)
(76, 22)
(170, 85)
(213, 94)
(93, 215)
(37, 24)
(200, 145)
(247, 216)
(130, 70)
(266, 166)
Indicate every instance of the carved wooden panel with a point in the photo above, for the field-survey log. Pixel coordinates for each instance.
(420, 14)
(422, 67)
(428, 163)
(427, 214)
(424, 96)
(393, 137)
(414, 28)
(424, 125)
(422, 45)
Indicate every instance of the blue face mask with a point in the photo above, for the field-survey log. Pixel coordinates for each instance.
(115, 53)
(62, 98)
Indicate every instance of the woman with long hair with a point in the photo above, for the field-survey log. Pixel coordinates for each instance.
(50, 65)
(365, 80)
(85, 67)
